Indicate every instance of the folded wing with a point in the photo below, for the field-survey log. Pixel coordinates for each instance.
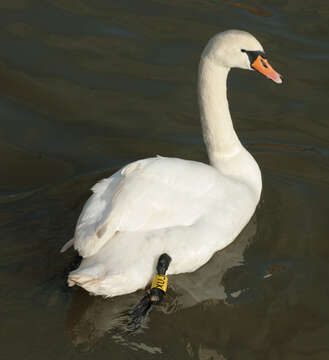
(145, 195)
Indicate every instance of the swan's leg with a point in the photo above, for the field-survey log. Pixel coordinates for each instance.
(159, 285)
(154, 296)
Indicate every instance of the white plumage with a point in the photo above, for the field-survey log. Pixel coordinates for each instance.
(167, 205)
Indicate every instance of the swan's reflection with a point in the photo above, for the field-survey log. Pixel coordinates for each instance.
(90, 318)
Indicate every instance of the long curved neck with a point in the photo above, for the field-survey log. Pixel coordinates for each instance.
(219, 135)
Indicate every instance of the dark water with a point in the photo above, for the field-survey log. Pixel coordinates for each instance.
(87, 86)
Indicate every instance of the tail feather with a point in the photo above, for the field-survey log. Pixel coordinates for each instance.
(82, 280)
(67, 245)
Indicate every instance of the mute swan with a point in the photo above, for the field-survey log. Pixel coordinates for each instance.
(184, 208)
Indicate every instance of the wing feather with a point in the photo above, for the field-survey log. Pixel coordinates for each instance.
(145, 195)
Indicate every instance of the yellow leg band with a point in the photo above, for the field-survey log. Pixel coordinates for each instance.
(160, 282)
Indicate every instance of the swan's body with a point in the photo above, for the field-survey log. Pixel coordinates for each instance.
(159, 205)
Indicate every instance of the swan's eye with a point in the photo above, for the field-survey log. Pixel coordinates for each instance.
(253, 55)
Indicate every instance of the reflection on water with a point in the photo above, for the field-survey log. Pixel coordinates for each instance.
(99, 316)
(86, 87)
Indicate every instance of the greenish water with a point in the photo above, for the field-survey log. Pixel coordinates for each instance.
(88, 86)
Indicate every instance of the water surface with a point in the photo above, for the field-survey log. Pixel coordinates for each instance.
(88, 86)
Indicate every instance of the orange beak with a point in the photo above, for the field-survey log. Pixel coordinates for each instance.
(261, 65)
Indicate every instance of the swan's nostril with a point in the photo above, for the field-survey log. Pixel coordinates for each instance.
(264, 63)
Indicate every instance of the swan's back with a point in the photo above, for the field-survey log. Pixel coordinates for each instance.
(150, 194)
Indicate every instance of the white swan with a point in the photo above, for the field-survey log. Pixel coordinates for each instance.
(184, 208)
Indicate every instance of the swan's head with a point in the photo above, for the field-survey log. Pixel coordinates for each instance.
(239, 49)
